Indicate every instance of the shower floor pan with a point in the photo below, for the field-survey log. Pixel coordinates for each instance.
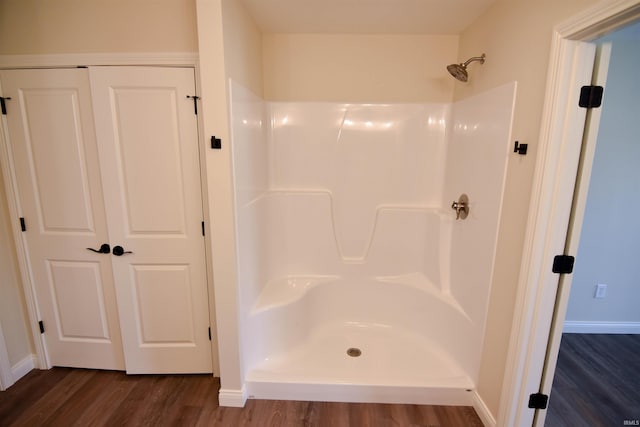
(393, 367)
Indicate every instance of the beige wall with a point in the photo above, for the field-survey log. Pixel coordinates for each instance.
(516, 36)
(358, 68)
(12, 309)
(97, 26)
(242, 46)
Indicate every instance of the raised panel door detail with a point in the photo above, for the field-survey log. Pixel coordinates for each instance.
(78, 296)
(57, 160)
(163, 305)
(147, 139)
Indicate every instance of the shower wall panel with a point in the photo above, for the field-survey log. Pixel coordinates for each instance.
(251, 183)
(365, 156)
(359, 194)
(478, 147)
(337, 189)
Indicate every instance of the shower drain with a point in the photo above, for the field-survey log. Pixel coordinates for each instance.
(354, 352)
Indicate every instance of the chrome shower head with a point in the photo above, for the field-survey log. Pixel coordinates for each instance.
(459, 71)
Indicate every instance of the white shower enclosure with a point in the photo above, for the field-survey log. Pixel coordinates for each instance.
(356, 281)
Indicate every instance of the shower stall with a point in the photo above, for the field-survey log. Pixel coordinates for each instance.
(356, 282)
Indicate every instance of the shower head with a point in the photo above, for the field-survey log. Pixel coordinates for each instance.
(459, 71)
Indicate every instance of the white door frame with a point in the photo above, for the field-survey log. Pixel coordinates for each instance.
(551, 201)
(73, 60)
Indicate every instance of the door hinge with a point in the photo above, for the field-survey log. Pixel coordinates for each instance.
(590, 96)
(41, 324)
(203, 228)
(209, 333)
(23, 225)
(538, 401)
(216, 143)
(195, 102)
(520, 148)
(563, 264)
(3, 105)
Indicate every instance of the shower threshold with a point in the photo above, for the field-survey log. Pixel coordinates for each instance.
(362, 363)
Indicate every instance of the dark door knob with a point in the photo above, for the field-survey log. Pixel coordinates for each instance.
(119, 251)
(104, 249)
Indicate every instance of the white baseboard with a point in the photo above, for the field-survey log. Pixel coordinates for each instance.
(232, 398)
(580, 327)
(23, 367)
(482, 410)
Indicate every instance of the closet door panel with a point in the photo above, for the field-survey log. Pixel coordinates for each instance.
(147, 133)
(53, 145)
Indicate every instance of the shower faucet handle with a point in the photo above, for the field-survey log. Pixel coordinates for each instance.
(461, 206)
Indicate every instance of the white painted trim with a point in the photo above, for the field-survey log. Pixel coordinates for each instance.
(487, 418)
(23, 367)
(232, 398)
(556, 168)
(581, 327)
(6, 377)
(536, 294)
(9, 375)
(592, 123)
(187, 59)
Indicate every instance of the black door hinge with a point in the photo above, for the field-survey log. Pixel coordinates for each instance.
(520, 148)
(41, 324)
(590, 96)
(3, 105)
(538, 401)
(203, 228)
(563, 264)
(23, 225)
(195, 102)
(209, 333)
(216, 143)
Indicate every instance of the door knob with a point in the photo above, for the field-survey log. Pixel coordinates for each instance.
(119, 251)
(104, 249)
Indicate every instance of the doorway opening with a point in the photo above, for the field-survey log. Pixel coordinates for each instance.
(602, 289)
(571, 65)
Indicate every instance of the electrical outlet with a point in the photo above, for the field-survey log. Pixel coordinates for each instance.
(601, 291)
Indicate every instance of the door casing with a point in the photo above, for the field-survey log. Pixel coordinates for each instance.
(74, 60)
(587, 154)
(550, 208)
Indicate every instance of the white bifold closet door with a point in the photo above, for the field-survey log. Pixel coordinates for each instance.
(109, 155)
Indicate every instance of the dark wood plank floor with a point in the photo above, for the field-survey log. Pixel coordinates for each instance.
(78, 397)
(597, 381)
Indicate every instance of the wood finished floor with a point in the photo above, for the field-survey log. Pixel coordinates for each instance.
(78, 397)
(597, 381)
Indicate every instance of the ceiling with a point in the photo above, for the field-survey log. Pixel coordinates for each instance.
(366, 16)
